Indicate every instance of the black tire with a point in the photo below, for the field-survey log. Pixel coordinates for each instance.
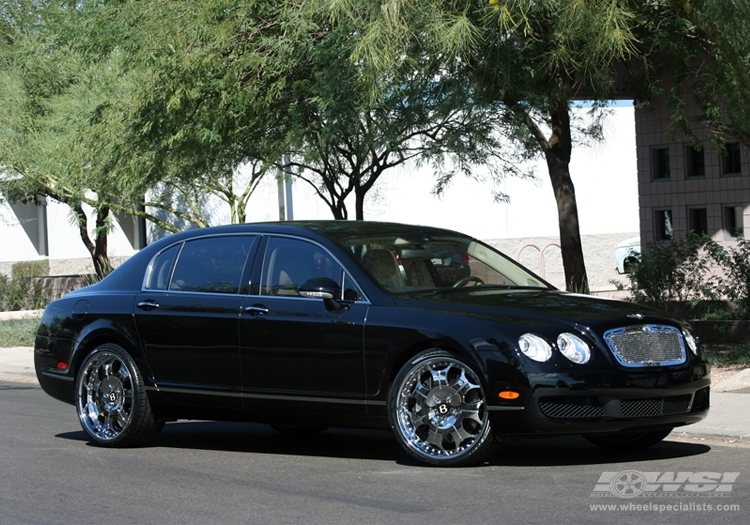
(438, 411)
(628, 441)
(111, 400)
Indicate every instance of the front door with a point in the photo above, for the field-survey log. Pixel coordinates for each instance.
(297, 355)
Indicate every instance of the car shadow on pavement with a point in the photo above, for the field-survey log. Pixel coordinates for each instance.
(380, 445)
(575, 450)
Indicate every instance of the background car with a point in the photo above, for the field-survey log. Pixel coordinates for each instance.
(427, 332)
(628, 254)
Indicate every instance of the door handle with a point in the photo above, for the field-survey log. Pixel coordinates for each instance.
(256, 309)
(148, 304)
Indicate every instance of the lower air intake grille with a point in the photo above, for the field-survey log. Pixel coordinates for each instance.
(562, 407)
(658, 406)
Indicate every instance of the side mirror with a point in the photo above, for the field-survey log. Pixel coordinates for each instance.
(328, 290)
(322, 287)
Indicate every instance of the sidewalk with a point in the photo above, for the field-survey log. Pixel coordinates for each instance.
(727, 419)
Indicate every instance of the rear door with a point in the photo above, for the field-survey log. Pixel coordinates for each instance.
(187, 319)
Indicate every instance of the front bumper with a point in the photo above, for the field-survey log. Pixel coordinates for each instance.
(614, 403)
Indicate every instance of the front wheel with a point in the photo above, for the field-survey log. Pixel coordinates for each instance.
(438, 411)
(111, 399)
(624, 441)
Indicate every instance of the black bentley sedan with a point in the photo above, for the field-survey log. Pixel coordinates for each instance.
(308, 325)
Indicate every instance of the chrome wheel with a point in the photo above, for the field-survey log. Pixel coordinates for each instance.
(438, 410)
(111, 400)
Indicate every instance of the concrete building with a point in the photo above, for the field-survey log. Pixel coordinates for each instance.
(688, 186)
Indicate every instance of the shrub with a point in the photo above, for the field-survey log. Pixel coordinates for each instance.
(24, 291)
(735, 280)
(696, 277)
(675, 273)
(18, 332)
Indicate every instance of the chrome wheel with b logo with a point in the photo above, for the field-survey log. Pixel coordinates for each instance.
(438, 411)
(111, 399)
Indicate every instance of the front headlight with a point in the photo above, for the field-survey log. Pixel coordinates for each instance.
(534, 347)
(690, 341)
(574, 348)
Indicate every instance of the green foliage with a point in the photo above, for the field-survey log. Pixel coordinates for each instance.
(695, 277)
(22, 293)
(725, 355)
(735, 279)
(30, 269)
(18, 332)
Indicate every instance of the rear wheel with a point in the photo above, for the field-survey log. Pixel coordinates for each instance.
(628, 440)
(438, 411)
(111, 399)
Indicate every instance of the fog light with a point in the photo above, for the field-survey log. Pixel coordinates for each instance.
(62, 365)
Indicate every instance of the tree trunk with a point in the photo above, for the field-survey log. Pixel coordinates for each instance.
(359, 203)
(557, 151)
(100, 256)
(576, 279)
(97, 249)
(558, 164)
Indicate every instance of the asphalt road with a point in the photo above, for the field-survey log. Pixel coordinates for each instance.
(217, 473)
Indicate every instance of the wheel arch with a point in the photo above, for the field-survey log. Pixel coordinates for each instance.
(451, 346)
(102, 333)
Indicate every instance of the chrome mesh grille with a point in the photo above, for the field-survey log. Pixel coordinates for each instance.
(577, 407)
(646, 345)
(571, 407)
(657, 406)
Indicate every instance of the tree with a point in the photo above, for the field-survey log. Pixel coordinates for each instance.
(343, 140)
(37, 142)
(235, 84)
(702, 46)
(535, 57)
(72, 105)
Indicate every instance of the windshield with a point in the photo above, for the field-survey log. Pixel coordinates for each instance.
(409, 262)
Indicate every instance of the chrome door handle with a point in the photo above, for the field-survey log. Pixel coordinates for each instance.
(148, 304)
(256, 309)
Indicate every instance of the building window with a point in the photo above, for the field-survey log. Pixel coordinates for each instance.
(660, 163)
(695, 162)
(663, 225)
(734, 223)
(698, 221)
(730, 160)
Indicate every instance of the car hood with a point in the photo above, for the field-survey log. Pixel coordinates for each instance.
(550, 306)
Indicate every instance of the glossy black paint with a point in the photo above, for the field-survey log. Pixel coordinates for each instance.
(277, 359)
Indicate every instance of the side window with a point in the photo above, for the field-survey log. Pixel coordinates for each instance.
(161, 269)
(212, 264)
(290, 262)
